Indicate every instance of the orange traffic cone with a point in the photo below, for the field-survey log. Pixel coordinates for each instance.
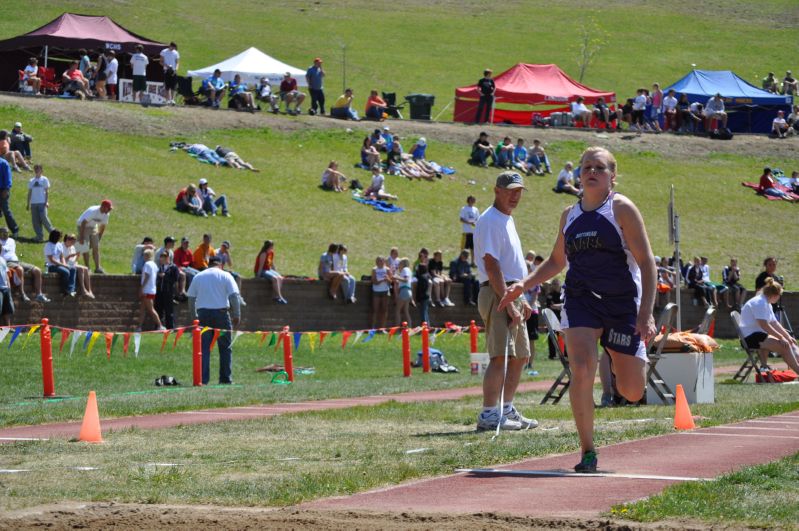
(90, 430)
(682, 413)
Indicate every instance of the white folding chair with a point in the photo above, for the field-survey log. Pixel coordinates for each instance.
(561, 384)
(653, 377)
(752, 360)
(704, 326)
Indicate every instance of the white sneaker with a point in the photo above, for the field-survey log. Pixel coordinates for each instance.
(448, 302)
(489, 423)
(526, 423)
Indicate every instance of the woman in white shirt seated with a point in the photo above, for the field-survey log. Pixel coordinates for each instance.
(763, 331)
(56, 262)
(580, 112)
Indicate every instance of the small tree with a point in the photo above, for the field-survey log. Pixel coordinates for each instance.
(592, 39)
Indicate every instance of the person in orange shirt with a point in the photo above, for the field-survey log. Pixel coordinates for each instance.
(202, 253)
(265, 268)
(375, 106)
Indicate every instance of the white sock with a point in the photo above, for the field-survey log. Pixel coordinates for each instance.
(488, 411)
(508, 407)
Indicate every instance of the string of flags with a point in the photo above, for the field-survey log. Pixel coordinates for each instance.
(85, 340)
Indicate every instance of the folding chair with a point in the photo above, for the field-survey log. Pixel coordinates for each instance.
(22, 84)
(653, 377)
(704, 326)
(392, 108)
(561, 384)
(49, 84)
(186, 91)
(752, 360)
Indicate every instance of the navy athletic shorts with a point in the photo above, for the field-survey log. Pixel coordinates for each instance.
(615, 316)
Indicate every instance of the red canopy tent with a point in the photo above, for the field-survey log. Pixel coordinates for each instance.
(545, 87)
(61, 38)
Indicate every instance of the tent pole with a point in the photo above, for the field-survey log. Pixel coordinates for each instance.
(45, 55)
(442, 111)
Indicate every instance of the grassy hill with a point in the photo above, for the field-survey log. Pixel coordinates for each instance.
(413, 46)
(121, 151)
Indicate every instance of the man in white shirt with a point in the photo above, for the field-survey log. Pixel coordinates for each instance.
(213, 297)
(469, 215)
(91, 227)
(779, 127)
(170, 60)
(500, 261)
(715, 109)
(580, 112)
(8, 251)
(139, 62)
(149, 274)
(670, 111)
(111, 78)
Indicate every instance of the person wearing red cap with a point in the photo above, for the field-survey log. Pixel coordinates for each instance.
(315, 76)
(91, 227)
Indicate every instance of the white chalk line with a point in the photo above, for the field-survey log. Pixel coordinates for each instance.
(738, 435)
(753, 428)
(566, 474)
(22, 439)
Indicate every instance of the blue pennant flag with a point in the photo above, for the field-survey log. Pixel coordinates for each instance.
(17, 331)
(370, 336)
(88, 338)
(297, 337)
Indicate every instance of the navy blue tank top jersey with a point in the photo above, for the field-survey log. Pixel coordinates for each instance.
(599, 261)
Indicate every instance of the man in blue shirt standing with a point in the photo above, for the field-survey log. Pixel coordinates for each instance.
(5, 197)
(315, 77)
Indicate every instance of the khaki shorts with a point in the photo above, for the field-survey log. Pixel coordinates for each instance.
(92, 242)
(497, 329)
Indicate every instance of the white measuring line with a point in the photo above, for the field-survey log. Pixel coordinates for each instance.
(792, 428)
(788, 420)
(738, 435)
(22, 439)
(12, 471)
(566, 474)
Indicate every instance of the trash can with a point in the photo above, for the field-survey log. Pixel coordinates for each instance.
(421, 105)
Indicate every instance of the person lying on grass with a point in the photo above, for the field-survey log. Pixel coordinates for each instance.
(233, 160)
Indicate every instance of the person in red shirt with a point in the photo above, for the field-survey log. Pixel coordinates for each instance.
(768, 186)
(183, 258)
(75, 82)
(265, 268)
(290, 94)
(375, 106)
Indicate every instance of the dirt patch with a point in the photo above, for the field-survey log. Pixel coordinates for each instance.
(133, 516)
(179, 121)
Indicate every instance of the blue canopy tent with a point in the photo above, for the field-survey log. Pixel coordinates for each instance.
(749, 108)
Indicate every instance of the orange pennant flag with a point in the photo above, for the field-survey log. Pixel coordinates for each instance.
(263, 338)
(125, 343)
(65, 333)
(392, 331)
(216, 336)
(322, 336)
(345, 336)
(163, 342)
(178, 333)
(109, 340)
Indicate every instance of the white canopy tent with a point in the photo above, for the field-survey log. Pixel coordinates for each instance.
(252, 64)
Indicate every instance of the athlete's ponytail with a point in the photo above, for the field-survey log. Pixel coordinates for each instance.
(772, 288)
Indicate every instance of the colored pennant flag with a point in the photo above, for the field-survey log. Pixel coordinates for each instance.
(17, 331)
(392, 331)
(94, 337)
(109, 344)
(3, 333)
(297, 338)
(65, 333)
(322, 336)
(272, 339)
(178, 334)
(136, 344)
(345, 336)
(125, 343)
(312, 341)
(75, 338)
(214, 339)
(114, 340)
(236, 335)
(263, 338)
(280, 338)
(334, 334)
(414, 331)
(358, 335)
(163, 341)
(204, 330)
(369, 336)
(33, 329)
(88, 338)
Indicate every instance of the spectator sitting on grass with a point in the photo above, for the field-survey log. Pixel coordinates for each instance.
(213, 88)
(332, 179)
(342, 108)
(538, 158)
(369, 153)
(188, 200)
(793, 120)
(794, 182)
(768, 186)
(327, 272)
(504, 153)
(240, 97)
(418, 155)
(184, 258)
(14, 158)
(375, 189)
(263, 92)
(770, 83)
(482, 149)
(137, 262)
(233, 160)
(265, 268)
(20, 141)
(83, 277)
(202, 253)
(18, 268)
(210, 205)
(789, 84)
(520, 158)
(566, 180)
(347, 280)
(779, 127)
(377, 140)
(56, 263)
(375, 106)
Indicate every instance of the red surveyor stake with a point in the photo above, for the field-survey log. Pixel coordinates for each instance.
(472, 337)
(46, 341)
(288, 360)
(406, 351)
(196, 354)
(425, 348)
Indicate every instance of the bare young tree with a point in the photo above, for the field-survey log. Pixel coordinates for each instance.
(592, 39)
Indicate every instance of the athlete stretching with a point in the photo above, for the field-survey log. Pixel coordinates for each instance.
(608, 293)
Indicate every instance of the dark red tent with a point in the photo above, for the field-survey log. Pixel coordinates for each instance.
(535, 88)
(60, 39)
